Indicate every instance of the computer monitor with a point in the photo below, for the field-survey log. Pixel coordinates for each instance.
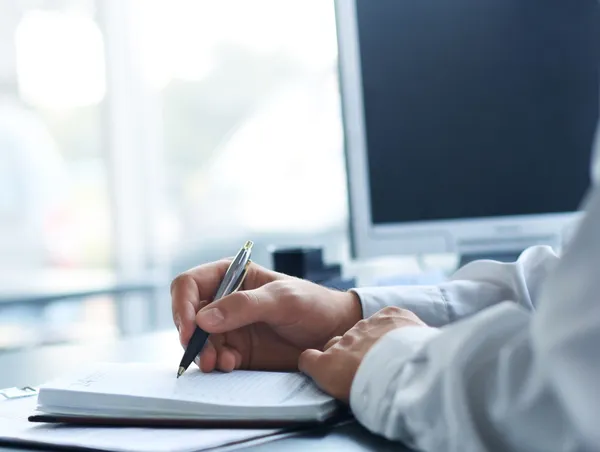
(468, 123)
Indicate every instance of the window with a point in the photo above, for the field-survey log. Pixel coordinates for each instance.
(251, 124)
(54, 205)
(153, 135)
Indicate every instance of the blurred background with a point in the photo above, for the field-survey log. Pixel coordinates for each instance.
(139, 138)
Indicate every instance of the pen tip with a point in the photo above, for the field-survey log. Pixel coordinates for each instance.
(180, 371)
(248, 245)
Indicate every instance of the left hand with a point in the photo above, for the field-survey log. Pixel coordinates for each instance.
(333, 369)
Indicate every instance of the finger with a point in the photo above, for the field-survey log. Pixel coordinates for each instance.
(227, 359)
(362, 325)
(185, 332)
(238, 358)
(208, 358)
(332, 342)
(348, 339)
(199, 283)
(185, 302)
(240, 309)
(309, 364)
(207, 277)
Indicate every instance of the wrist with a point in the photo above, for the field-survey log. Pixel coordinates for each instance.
(351, 311)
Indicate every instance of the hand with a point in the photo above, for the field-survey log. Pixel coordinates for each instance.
(333, 369)
(266, 325)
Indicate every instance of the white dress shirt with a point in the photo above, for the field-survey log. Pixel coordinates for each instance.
(511, 361)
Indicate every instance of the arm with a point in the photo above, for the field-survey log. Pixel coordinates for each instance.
(504, 379)
(474, 287)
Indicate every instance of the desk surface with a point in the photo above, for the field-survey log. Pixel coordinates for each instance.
(48, 286)
(35, 366)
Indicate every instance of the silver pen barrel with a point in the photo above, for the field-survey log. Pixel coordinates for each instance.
(235, 272)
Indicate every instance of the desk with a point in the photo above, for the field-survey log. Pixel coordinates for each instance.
(33, 367)
(36, 290)
(47, 286)
(42, 295)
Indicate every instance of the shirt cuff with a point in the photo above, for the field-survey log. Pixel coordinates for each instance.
(427, 302)
(379, 375)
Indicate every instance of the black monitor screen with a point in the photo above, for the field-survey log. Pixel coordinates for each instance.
(478, 108)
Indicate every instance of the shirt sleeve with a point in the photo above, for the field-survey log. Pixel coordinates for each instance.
(505, 378)
(474, 287)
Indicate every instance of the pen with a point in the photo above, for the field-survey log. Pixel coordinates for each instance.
(232, 281)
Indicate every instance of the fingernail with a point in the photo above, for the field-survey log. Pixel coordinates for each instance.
(212, 317)
(197, 360)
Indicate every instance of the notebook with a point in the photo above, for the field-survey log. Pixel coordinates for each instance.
(150, 394)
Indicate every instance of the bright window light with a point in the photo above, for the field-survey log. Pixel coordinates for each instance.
(60, 60)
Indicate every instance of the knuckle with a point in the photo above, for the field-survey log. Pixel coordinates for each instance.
(347, 339)
(180, 280)
(278, 285)
(249, 299)
(332, 342)
(392, 310)
(282, 288)
(362, 325)
(254, 276)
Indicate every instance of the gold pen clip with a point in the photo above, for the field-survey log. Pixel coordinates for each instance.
(247, 247)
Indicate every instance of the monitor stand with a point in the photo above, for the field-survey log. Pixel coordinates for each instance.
(504, 256)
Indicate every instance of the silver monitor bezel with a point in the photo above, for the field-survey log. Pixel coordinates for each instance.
(462, 235)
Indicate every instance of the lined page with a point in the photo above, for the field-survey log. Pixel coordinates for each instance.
(240, 388)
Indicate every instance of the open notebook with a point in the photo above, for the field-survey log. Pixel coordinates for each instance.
(148, 394)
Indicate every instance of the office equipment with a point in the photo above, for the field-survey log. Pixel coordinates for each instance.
(468, 124)
(233, 279)
(147, 394)
(308, 263)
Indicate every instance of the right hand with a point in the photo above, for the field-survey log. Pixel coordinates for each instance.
(264, 326)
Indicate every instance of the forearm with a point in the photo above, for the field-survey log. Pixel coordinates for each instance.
(427, 302)
(505, 378)
(476, 385)
(471, 289)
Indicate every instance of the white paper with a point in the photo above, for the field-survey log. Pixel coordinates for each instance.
(150, 389)
(252, 388)
(15, 427)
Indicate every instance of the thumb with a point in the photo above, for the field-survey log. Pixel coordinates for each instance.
(308, 363)
(239, 309)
